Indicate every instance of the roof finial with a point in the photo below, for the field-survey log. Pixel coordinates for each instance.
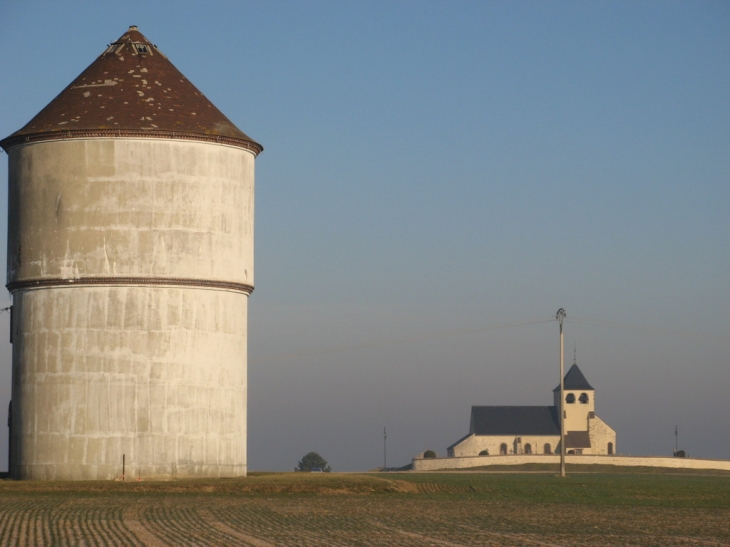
(132, 27)
(574, 359)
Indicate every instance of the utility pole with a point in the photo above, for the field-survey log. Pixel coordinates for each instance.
(676, 441)
(560, 316)
(385, 453)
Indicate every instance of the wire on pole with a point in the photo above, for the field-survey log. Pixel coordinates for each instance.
(560, 316)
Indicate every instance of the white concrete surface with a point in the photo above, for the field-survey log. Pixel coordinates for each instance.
(130, 207)
(152, 370)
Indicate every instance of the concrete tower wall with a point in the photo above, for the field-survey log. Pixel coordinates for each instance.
(130, 262)
(130, 207)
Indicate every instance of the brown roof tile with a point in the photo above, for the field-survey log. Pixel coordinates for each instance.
(132, 90)
(577, 439)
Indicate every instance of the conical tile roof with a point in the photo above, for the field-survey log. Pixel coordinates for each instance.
(131, 90)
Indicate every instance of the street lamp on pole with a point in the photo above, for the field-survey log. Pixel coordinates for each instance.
(560, 316)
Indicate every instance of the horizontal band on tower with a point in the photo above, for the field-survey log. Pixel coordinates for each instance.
(152, 281)
(15, 140)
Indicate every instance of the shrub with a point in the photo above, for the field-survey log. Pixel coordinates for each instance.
(429, 454)
(484, 453)
(313, 462)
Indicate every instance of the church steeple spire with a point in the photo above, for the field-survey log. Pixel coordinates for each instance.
(574, 379)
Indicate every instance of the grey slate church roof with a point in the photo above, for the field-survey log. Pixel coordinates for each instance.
(575, 380)
(514, 420)
(529, 420)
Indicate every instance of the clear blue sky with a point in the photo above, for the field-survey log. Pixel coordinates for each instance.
(433, 169)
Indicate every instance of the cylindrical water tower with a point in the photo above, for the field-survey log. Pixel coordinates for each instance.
(130, 262)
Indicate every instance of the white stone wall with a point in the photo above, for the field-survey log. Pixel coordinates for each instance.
(601, 434)
(473, 445)
(628, 461)
(153, 372)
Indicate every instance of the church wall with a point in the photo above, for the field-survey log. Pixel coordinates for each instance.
(473, 445)
(576, 414)
(601, 434)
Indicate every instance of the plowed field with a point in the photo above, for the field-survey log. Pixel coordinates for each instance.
(449, 510)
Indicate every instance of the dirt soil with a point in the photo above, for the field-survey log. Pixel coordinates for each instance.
(371, 510)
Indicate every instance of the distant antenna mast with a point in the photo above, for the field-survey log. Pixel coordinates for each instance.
(560, 316)
(676, 441)
(385, 452)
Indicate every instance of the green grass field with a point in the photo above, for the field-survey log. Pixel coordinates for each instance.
(403, 509)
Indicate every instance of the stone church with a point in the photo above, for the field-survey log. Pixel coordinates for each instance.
(503, 430)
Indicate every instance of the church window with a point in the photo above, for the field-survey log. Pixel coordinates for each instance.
(583, 398)
(547, 449)
(503, 448)
(610, 448)
(570, 398)
(528, 448)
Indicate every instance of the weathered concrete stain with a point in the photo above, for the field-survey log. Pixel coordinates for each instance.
(152, 208)
(130, 262)
(154, 373)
